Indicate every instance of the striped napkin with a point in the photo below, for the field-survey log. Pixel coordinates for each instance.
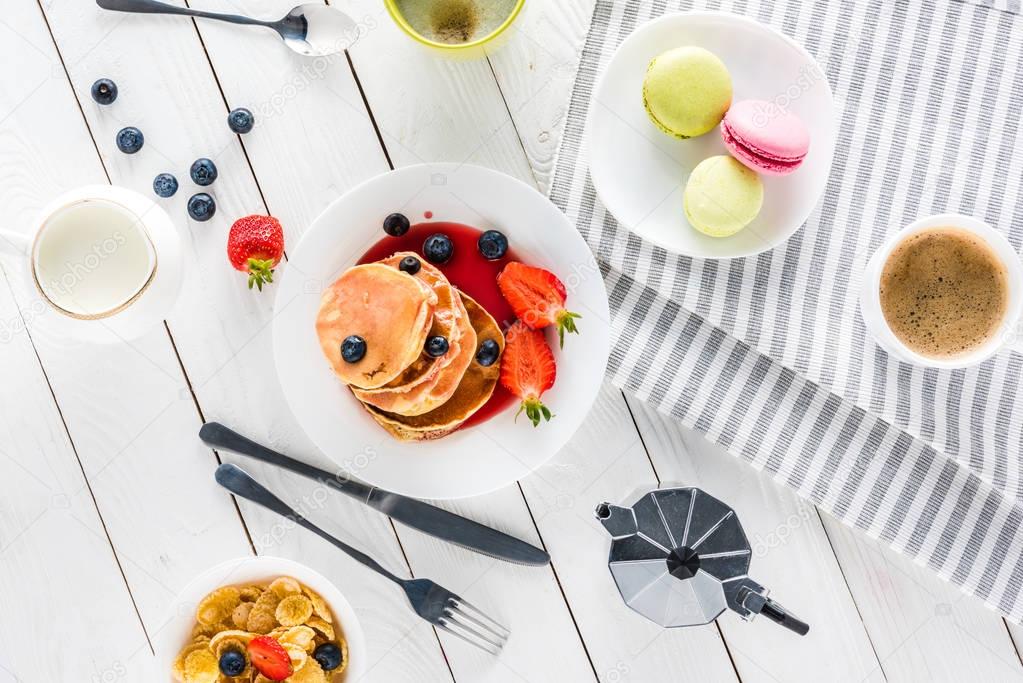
(768, 355)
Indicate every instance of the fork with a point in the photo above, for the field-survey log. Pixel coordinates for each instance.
(432, 602)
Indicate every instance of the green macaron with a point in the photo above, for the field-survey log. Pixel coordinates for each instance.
(722, 196)
(687, 91)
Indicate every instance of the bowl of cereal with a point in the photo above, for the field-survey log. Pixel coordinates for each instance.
(261, 619)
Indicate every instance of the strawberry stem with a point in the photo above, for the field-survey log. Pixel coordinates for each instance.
(260, 271)
(566, 323)
(535, 411)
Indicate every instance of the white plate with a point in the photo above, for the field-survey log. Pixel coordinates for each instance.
(481, 458)
(639, 172)
(176, 630)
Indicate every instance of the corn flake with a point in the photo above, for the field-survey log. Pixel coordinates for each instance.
(250, 593)
(217, 607)
(261, 619)
(297, 654)
(319, 605)
(285, 586)
(201, 667)
(312, 672)
(321, 626)
(294, 610)
(302, 636)
(240, 616)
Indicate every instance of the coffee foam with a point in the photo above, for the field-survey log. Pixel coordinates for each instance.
(944, 292)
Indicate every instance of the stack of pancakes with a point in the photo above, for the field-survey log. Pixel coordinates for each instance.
(413, 395)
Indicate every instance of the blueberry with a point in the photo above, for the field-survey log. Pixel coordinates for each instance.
(203, 172)
(410, 265)
(353, 348)
(201, 207)
(232, 663)
(240, 120)
(165, 185)
(436, 346)
(396, 225)
(438, 248)
(328, 656)
(104, 91)
(486, 354)
(130, 140)
(492, 244)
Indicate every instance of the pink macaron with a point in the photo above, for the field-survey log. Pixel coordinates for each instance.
(765, 137)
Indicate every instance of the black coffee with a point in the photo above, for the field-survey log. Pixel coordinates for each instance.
(944, 292)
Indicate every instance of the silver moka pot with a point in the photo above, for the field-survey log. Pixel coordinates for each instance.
(680, 557)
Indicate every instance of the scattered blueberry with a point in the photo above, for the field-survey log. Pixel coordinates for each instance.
(410, 265)
(201, 207)
(240, 120)
(104, 91)
(396, 225)
(353, 348)
(492, 244)
(487, 353)
(438, 248)
(328, 656)
(203, 172)
(165, 185)
(130, 140)
(232, 663)
(436, 346)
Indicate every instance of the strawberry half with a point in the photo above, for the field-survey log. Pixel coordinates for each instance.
(270, 658)
(538, 298)
(255, 246)
(528, 369)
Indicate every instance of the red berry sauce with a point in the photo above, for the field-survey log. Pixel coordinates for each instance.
(468, 271)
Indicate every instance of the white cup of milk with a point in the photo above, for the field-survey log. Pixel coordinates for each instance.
(104, 260)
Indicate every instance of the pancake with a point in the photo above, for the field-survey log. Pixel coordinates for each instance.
(474, 390)
(438, 385)
(391, 310)
(428, 381)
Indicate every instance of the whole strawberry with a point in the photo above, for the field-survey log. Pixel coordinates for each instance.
(538, 298)
(255, 246)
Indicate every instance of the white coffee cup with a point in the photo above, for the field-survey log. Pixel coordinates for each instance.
(1010, 334)
(100, 263)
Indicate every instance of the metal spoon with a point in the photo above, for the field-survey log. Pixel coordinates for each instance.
(313, 29)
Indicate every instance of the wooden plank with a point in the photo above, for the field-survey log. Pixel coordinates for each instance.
(922, 627)
(221, 329)
(536, 72)
(56, 563)
(791, 556)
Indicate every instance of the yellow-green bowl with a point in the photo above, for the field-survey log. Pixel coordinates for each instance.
(468, 49)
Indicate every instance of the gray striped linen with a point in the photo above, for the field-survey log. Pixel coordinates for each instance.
(768, 355)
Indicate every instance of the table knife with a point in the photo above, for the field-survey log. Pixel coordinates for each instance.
(417, 514)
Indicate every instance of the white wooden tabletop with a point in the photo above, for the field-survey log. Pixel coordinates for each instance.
(107, 501)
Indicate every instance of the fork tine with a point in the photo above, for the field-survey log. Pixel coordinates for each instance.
(457, 613)
(459, 602)
(492, 648)
(455, 620)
